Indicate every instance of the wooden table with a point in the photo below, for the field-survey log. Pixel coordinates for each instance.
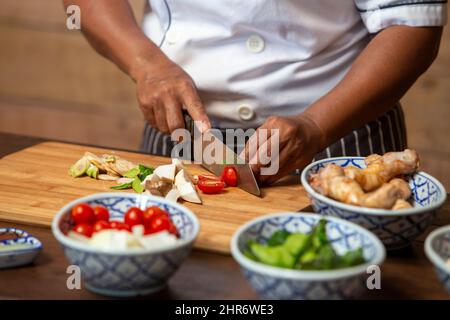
(406, 274)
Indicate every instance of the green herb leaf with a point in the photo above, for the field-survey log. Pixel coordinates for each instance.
(132, 173)
(136, 184)
(144, 172)
(123, 186)
(278, 238)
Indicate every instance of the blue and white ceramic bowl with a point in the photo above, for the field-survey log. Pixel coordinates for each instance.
(20, 251)
(437, 249)
(134, 271)
(395, 229)
(278, 283)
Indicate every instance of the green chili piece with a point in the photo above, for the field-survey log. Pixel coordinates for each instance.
(132, 173)
(275, 256)
(296, 243)
(136, 184)
(352, 258)
(278, 238)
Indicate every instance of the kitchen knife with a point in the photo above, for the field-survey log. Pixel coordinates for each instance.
(246, 178)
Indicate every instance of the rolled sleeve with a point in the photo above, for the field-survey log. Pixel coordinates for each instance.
(380, 14)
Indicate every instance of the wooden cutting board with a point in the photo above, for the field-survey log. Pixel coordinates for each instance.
(34, 185)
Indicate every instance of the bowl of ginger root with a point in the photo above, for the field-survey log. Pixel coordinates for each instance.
(386, 194)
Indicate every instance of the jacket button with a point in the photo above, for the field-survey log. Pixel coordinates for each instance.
(245, 112)
(255, 44)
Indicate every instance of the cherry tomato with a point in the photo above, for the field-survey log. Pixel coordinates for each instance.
(209, 177)
(114, 224)
(147, 230)
(83, 213)
(159, 224)
(101, 225)
(133, 217)
(84, 229)
(211, 187)
(119, 226)
(229, 175)
(151, 213)
(173, 230)
(101, 213)
(124, 226)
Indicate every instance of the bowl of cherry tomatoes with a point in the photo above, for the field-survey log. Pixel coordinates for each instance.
(125, 244)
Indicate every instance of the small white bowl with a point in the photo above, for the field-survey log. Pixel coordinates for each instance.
(12, 256)
(396, 228)
(128, 272)
(286, 284)
(437, 249)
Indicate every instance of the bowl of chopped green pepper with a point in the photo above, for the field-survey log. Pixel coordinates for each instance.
(306, 256)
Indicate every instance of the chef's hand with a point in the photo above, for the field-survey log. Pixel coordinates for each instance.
(299, 140)
(162, 89)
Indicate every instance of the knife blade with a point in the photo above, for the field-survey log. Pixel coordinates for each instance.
(246, 178)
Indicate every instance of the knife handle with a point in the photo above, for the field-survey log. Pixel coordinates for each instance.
(189, 122)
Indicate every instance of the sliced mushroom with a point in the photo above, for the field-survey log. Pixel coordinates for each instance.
(107, 177)
(111, 169)
(122, 166)
(152, 178)
(188, 193)
(124, 180)
(166, 172)
(154, 192)
(163, 187)
(182, 177)
(178, 164)
(96, 161)
(173, 195)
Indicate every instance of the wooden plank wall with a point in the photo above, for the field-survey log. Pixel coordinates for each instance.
(53, 85)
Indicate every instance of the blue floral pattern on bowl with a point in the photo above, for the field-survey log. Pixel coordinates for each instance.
(396, 229)
(131, 272)
(279, 283)
(15, 257)
(437, 248)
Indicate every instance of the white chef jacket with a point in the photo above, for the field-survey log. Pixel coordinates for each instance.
(254, 58)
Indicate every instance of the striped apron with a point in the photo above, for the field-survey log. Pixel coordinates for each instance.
(387, 133)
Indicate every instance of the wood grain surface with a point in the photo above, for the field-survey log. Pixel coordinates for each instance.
(34, 185)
